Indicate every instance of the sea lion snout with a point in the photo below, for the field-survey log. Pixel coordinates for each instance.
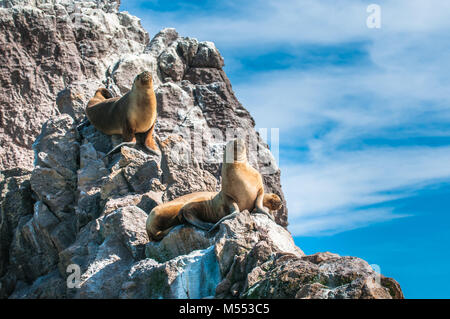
(145, 77)
(272, 201)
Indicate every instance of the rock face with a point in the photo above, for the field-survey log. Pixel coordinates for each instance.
(73, 226)
(52, 50)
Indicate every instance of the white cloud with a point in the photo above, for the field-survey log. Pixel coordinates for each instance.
(326, 193)
(342, 221)
(403, 92)
(293, 21)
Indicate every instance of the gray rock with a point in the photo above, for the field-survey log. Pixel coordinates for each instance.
(181, 172)
(207, 56)
(103, 277)
(128, 225)
(146, 202)
(182, 240)
(59, 45)
(15, 202)
(188, 276)
(37, 242)
(171, 64)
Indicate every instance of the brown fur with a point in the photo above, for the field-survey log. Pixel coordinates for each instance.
(164, 217)
(242, 189)
(135, 112)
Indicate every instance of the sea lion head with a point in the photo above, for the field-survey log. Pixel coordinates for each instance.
(143, 79)
(235, 151)
(272, 201)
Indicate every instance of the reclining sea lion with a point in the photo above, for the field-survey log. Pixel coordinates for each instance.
(164, 217)
(242, 189)
(135, 112)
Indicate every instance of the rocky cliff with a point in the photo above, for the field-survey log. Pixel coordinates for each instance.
(67, 213)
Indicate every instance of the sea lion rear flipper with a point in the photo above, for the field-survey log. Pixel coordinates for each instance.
(188, 213)
(83, 124)
(232, 215)
(118, 147)
(259, 206)
(107, 94)
(194, 221)
(234, 208)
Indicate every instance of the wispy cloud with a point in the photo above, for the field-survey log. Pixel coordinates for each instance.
(351, 101)
(325, 193)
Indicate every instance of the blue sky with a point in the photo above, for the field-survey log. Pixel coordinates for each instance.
(364, 118)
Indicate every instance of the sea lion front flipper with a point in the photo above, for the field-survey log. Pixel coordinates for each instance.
(259, 205)
(188, 214)
(154, 152)
(150, 143)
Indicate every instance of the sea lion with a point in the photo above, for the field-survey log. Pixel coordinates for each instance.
(164, 217)
(242, 189)
(134, 112)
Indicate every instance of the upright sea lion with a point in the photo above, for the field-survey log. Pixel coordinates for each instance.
(135, 112)
(242, 189)
(164, 217)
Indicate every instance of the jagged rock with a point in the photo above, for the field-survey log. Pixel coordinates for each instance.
(207, 56)
(50, 286)
(57, 147)
(104, 276)
(146, 202)
(15, 202)
(123, 72)
(140, 169)
(72, 100)
(187, 276)
(37, 242)
(128, 225)
(181, 171)
(182, 240)
(45, 48)
(171, 64)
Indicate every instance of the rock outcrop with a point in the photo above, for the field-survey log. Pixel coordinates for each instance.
(72, 225)
(47, 46)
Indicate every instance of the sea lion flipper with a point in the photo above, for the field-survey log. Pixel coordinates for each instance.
(154, 152)
(232, 215)
(194, 221)
(188, 213)
(234, 208)
(119, 147)
(83, 124)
